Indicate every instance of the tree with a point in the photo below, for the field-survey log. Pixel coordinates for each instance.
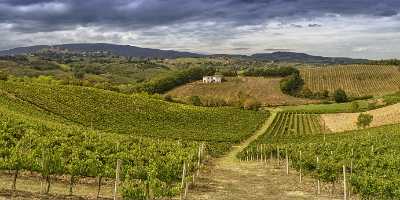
(364, 120)
(292, 84)
(340, 96)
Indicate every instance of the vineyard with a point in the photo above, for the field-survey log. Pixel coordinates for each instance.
(67, 131)
(146, 164)
(294, 124)
(356, 80)
(137, 114)
(370, 157)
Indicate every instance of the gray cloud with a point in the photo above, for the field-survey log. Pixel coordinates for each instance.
(221, 26)
(51, 15)
(277, 49)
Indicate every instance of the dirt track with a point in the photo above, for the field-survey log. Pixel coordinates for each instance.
(227, 178)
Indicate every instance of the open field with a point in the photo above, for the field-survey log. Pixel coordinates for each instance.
(265, 90)
(347, 121)
(356, 80)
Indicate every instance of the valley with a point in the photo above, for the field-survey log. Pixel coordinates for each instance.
(69, 127)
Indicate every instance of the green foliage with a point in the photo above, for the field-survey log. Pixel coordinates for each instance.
(355, 106)
(340, 96)
(3, 76)
(364, 120)
(271, 71)
(195, 100)
(168, 82)
(137, 114)
(292, 84)
(251, 104)
(373, 154)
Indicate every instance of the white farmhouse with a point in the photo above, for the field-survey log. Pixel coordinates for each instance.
(212, 79)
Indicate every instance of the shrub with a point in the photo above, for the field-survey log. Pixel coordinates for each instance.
(355, 106)
(195, 100)
(251, 104)
(307, 93)
(3, 76)
(364, 120)
(340, 96)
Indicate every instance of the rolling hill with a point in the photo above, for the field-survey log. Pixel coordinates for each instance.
(138, 52)
(121, 50)
(305, 58)
(136, 115)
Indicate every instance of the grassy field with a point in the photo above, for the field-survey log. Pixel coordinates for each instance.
(326, 108)
(265, 90)
(356, 80)
(348, 121)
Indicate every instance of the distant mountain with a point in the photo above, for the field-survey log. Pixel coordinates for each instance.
(121, 50)
(138, 52)
(305, 58)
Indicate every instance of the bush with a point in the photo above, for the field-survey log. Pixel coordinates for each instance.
(168, 98)
(271, 71)
(340, 96)
(364, 120)
(355, 106)
(251, 104)
(3, 76)
(307, 93)
(195, 100)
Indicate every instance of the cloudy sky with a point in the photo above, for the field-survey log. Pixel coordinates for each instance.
(352, 28)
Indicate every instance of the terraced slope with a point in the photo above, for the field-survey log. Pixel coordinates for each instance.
(356, 80)
(137, 115)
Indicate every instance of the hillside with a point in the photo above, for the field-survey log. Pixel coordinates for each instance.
(138, 52)
(348, 121)
(137, 115)
(121, 50)
(263, 90)
(356, 80)
(305, 58)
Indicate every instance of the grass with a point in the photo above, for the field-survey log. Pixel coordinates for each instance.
(326, 108)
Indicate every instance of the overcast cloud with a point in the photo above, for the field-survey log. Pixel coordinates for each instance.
(354, 28)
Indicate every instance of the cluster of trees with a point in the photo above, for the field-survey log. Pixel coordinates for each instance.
(386, 62)
(271, 71)
(292, 85)
(242, 101)
(168, 82)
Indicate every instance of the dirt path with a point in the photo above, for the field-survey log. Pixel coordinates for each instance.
(227, 178)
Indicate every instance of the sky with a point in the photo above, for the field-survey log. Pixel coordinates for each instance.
(348, 28)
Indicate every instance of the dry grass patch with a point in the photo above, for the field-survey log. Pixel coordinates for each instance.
(265, 90)
(347, 121)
